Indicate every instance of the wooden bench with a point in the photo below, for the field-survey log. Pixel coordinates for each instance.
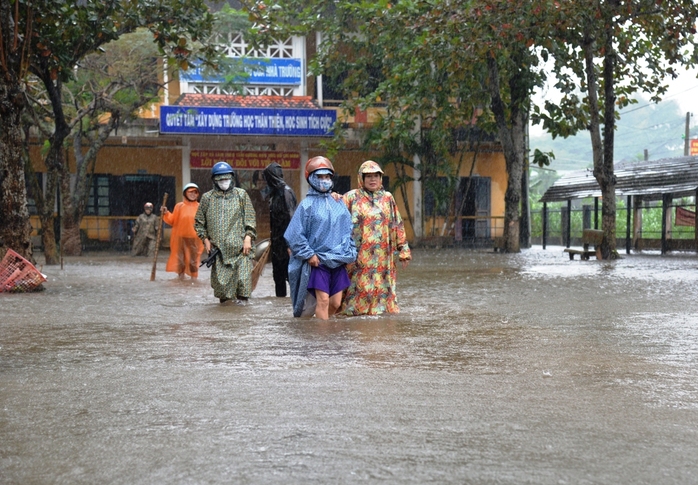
(589, 237)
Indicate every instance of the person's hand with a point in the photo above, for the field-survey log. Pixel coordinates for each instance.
(336, 196)
(207, 245)
(314, 261)
(163, 210)
(247, 245)
(405, 262)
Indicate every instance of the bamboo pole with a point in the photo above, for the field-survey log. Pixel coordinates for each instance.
(157, 241)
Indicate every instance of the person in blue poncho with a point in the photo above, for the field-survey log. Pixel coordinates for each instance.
(320, 240)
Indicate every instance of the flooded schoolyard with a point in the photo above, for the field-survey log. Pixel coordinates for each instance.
(507, 369)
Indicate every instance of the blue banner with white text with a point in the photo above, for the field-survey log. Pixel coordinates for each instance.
(213, 120)
(286, 71)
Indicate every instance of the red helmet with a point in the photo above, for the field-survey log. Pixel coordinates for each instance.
(316, 163)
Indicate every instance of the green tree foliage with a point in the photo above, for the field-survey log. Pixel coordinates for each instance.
(657, 128)
(48, 39)
(435, 66)
(605, 52)
(106, 91)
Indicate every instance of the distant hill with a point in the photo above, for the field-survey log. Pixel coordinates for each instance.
(659, 128)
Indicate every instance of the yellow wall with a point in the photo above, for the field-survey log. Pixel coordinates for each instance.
(488, 164)
(130, 156)
(492, 165)
(163, 156)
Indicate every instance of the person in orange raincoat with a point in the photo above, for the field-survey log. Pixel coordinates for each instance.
(185, 245)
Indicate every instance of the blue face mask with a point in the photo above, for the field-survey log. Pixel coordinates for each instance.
(321, 185)
(324, 185)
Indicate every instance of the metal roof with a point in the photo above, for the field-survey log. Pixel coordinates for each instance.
(677, 176)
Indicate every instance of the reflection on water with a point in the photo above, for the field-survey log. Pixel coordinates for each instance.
(499, 369)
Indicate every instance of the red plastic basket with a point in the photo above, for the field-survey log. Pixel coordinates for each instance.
(17, 274)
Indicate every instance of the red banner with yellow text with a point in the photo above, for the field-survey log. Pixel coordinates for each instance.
(243, 160)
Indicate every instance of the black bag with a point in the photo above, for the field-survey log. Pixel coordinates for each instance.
(211, 258)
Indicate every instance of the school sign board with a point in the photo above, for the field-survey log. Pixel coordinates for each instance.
(285, 72)
(218, 120)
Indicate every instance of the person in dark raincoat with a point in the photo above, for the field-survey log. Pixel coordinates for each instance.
(226, 220)
(145, 232)
(258, 196)
(282, 205)
(321, 243)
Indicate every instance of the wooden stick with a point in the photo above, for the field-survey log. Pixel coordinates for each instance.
(259, 267)
(157, 243)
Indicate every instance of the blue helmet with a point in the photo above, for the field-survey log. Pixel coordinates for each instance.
(221, 168)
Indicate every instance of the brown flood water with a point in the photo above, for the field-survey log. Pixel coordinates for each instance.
(504, 369)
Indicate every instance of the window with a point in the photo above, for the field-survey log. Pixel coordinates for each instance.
(31, 196)
(131, 192)
(473, 205)
(234, 45)
(434, 197)
(98, 200)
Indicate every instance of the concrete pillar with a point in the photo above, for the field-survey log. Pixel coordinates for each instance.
(417, 197)
(186, 160)
(304, 160)
(637, 223)
(417, 224)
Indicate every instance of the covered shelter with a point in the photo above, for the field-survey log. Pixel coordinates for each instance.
(658, 180)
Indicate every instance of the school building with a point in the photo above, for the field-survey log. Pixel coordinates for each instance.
(283, 117)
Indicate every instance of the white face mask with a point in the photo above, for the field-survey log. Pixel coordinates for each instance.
(224, 184)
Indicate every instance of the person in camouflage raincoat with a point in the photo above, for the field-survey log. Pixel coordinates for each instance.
(226, 220)
(145, 231)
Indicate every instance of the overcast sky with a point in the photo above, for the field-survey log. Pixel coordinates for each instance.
(683, 90)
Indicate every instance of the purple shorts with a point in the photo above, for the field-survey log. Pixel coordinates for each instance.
(331, 281)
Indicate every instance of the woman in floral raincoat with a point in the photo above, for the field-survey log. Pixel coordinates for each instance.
(379, 234)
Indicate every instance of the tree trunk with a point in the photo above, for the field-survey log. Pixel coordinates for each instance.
(512, 196)
(15, 229)
(56, 159)
(72, 243)
(71, 225)
(75, 201)
(608, 189)
(602, 149)
(525, 221)
(47, 218)
(48, 240)
(512, 136)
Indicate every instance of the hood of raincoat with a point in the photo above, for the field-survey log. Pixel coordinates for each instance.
(274, 176)
(225, 176)
(369, 166)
